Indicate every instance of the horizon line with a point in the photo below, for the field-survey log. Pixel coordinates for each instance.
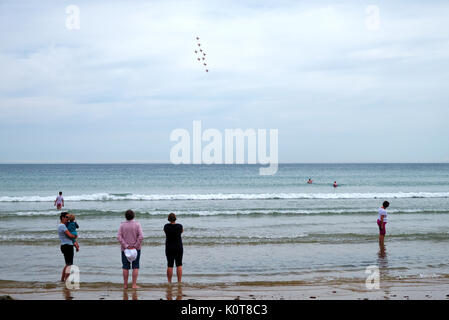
(279, 163)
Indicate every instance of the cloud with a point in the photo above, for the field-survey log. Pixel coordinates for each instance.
(308, 69)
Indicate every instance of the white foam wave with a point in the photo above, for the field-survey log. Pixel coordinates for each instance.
(279, 211)
(36, 213)
(227, 196)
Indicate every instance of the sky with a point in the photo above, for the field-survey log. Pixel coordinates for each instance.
(341, 81)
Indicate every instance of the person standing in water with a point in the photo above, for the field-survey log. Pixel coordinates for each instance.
(335, 184)
(173, 247)
(130, 237)
(59, 202)
(66, 245)
(310, 181)
(381, 222)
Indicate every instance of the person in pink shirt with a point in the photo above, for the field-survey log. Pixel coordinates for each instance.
(59, 202)
(381, 222)
(130, 237)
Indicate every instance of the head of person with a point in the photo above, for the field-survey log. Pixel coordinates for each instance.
(71, 217)
(172, 217)
(63, 216)
(60, 193)
(386, 204)
(129, 215)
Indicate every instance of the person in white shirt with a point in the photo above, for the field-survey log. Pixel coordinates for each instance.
(381, 221)
(59, 202)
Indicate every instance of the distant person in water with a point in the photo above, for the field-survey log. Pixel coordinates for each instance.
(59, 202)
(173, 247)
(310, 181)
(381, 222)
(72, 226)
(130, 237)
(335, 184)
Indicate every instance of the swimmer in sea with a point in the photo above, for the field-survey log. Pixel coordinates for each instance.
(335, 184)
(59, 202)
(310, 181)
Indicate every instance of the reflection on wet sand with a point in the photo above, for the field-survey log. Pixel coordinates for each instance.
(169, 292)
(126, 294)
(67, 293)
(382, 262)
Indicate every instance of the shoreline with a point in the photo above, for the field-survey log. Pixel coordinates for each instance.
(393, 290)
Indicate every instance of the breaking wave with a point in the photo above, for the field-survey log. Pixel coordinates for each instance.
(225, 196)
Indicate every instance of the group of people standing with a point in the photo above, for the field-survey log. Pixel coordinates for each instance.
(130, 237)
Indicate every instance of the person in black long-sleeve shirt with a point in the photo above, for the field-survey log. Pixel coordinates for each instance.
(173, 247)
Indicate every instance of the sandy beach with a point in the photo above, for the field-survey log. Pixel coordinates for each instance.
(398, 290)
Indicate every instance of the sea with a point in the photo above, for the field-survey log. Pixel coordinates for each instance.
(240, 228)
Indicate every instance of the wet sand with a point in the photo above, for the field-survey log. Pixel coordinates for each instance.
(437, 289)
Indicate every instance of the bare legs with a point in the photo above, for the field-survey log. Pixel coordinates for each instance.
(381, 242)
(65, 273)
(125, 278)
(169, 274)
(135, 274)
(178, 273)
(381, 234)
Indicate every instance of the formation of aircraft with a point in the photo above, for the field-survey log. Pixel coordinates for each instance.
(203, 57)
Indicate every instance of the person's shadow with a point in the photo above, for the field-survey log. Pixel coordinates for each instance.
(169, 292)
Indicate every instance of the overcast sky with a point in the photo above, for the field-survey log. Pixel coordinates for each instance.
(339, 85)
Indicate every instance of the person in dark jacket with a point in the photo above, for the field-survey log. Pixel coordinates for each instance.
(173, 247)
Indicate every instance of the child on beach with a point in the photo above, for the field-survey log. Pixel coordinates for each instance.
(59, 202)
(72, 226)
